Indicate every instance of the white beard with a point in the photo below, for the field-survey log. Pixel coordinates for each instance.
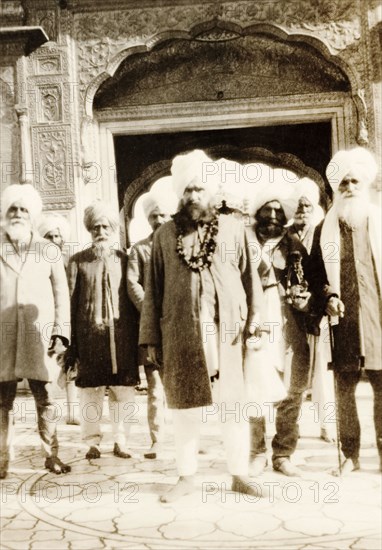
(19, 232)
(352, 210)
(102, 249)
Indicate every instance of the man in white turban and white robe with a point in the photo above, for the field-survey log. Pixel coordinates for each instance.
(200, 298)
(349, 244)
(34, 313)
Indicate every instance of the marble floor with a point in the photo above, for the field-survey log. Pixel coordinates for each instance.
(113, 503)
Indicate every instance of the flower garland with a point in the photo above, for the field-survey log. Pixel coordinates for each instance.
(203, 259)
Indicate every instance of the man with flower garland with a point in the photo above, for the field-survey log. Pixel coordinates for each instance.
(202, 299)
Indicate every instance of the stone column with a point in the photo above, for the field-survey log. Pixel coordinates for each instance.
(26, 172)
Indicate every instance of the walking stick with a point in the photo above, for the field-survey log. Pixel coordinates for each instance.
(331, 365)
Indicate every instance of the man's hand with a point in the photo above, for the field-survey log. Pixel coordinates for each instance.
(154, 355)
(335, 307)
(252, 332)
(300, 301)
(58, 344)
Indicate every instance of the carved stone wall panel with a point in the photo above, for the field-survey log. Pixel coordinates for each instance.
(53, 165)
(49, 59)
(48, 64)
(50, 103)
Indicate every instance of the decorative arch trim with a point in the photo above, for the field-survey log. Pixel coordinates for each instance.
(222, 31)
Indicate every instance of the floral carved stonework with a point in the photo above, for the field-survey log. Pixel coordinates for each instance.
(54, 169)
(50, 104)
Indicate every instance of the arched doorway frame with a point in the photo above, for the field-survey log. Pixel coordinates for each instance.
(344, 111)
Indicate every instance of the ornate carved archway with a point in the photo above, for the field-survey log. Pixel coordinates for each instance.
(219, 75)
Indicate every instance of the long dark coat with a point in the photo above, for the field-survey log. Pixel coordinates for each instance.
(34, 306)
(348, 354)
(89, 278)
(170, 316)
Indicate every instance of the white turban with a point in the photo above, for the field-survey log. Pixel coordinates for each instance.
(24, 193)
(309, 189)
(97, 210)
(51, 221)
(344, 161)
(195, 165)
(166, 201)
(281, 188)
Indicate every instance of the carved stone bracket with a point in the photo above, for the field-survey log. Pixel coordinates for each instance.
(361, 106)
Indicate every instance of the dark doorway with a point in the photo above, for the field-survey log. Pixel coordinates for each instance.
(311, 143)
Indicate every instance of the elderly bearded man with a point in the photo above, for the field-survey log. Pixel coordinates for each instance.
(305, 220)
(34, 312)
(199, 296)
(349, 243)
(157, 208)
(104, 332)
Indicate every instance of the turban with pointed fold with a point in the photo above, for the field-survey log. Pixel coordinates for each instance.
(343, 162)
(50, 222)
(197, 166)
(97, 210)
(281, 188)
(24, 193)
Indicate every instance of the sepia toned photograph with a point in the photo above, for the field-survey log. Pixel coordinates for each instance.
(190, 274)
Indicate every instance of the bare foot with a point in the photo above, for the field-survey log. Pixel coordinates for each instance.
(326, 436)
(349, 465)
(257, 465)
(184, 486)
(245, 486)
(54, 464)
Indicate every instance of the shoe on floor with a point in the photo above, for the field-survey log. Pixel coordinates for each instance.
(285, 466)
(54, 465)
(3, 468)
(117, 451)
(257, 465)
(93, 453)
(156, 451)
